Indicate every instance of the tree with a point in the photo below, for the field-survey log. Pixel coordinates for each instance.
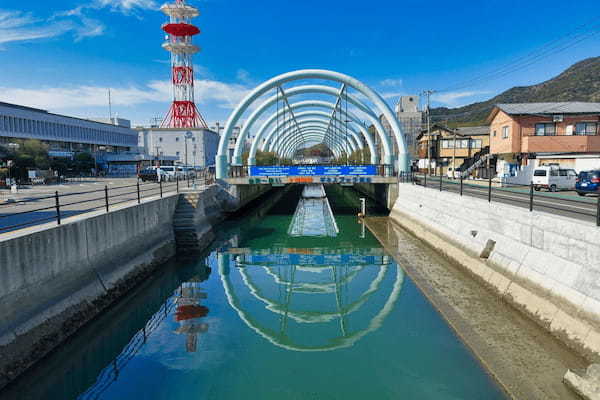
(28, 154)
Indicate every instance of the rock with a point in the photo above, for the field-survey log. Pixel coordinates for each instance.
(588, 385)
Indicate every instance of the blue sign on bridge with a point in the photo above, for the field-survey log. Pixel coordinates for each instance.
(314, 170)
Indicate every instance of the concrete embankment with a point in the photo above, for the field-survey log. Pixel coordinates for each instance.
(53, 279)
(547, 266)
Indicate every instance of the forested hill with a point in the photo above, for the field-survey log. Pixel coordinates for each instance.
(580, 82)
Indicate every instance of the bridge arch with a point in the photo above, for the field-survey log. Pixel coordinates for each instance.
(222, 163)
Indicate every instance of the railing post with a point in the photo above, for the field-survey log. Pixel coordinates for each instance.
(138, 192)
(106, 197)
(188, 180)
(160, 185)
(531, 197)
(489, 188)
(440, 182)
(57, 208)
(177, 180)
(461, 185)
(598, 212)
(425, 180)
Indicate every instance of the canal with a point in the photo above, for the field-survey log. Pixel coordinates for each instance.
(280, 307)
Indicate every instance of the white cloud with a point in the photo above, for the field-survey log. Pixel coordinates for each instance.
(215, 93)
(125, 6)
(451, 98)
(16, 26)
(391, 82)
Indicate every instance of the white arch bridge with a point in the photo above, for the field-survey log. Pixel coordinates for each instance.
(299, 109)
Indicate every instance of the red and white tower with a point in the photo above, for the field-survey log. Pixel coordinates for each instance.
(183, 112)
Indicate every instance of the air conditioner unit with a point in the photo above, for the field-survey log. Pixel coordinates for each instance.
(557, 118)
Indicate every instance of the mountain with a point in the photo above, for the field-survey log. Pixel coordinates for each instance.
(580, 82)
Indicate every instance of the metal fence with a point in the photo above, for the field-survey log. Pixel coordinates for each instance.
(526, 196)
(54, 207)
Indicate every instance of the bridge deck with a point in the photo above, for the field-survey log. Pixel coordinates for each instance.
(270, 180)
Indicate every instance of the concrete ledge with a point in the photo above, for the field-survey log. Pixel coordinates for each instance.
(512, 268)
(587, 386)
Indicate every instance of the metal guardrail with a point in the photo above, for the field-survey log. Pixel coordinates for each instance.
(522, 195)
(57, 202)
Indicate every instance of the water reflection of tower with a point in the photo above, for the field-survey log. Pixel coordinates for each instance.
(190, 312)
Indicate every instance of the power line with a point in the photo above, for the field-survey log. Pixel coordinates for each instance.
(555, 46)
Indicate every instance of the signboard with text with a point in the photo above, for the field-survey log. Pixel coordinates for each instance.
(314, 170)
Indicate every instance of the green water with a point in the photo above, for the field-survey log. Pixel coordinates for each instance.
(264, 315)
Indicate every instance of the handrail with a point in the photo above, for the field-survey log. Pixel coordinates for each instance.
(137, 192)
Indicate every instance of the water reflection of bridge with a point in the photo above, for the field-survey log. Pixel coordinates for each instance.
(317, 299)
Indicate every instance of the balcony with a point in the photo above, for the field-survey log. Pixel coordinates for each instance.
(560, 144)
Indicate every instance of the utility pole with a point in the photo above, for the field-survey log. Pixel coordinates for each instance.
(428, 93)
(454, 156)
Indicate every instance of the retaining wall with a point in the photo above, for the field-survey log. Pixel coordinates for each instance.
(53, 279)
(546, 265)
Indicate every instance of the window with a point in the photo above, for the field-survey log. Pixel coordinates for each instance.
(545, 129)
(553, 172)
(177, 139)
(177, 154)
(562, 172)
(539, 172)
(586, 128)
(464, 144)
(160, 139)
(494, 134)
(505, 132)
(476, 144)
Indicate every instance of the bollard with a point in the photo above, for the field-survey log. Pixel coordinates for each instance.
(531, 197)
(106, 197)
(57, 208)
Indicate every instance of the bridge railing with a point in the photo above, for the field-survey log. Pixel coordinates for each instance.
(565, 203)
(244, 171)
(31, 211)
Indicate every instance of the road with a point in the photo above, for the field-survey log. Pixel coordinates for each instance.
(37, 205)
(565, 203)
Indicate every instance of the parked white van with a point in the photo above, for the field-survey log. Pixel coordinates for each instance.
(554, 178)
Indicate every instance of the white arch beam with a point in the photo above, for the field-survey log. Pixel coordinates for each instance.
(319, 104)
(222, 165)
(321, 89)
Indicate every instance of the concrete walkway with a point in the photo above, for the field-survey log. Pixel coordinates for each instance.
(528, 362)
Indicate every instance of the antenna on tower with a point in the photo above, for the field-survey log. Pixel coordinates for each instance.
(183, 112)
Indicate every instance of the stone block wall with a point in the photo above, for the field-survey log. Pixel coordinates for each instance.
(547, 265)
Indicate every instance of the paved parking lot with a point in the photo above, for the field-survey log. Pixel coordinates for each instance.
(37, 204)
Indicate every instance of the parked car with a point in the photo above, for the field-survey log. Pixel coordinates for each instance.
(554, 179)
(588, 182)
(170, 171)
(186, 172)
(152, 174)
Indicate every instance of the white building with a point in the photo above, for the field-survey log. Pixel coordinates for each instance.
(192, 147)
(411, 122)
(64, 135)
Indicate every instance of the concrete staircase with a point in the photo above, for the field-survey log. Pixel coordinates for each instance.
(195, 215)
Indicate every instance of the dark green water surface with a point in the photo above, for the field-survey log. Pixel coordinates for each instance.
(264, 315)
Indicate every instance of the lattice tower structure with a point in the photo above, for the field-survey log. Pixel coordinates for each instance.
(180, 31)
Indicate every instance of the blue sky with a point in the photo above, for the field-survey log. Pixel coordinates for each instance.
(64, 54)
